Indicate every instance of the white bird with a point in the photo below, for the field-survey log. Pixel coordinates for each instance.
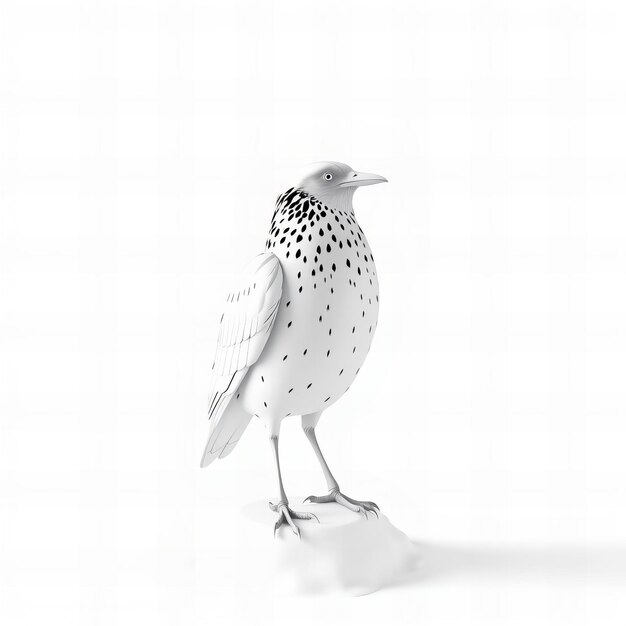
(298, 325)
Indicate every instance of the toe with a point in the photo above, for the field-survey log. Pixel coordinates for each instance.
(306, 516)
(287, 517)
(278, 524)
(365, 503)
(340, 499)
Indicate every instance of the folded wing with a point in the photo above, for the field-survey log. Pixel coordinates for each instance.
(245, 327)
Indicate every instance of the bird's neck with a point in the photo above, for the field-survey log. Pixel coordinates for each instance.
(339, 199)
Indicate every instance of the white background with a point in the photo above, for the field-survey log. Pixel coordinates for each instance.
(142, 145)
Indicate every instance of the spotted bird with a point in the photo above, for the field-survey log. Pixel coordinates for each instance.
(297, 327)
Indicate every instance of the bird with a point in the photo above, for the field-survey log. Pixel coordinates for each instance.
(297, 326)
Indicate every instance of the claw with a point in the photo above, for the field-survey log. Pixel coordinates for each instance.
(371, 505)
(314, 499)
(307, 516)
(319, 499)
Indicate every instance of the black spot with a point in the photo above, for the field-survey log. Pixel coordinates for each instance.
(334, 268)
(290, 390)
(285, 357)
(327, 399)
(309, 385)
(289, 325)
(347, 260)
(341, 372)
(327, 353)
(288, 303)
(263, 379)
(298, 253)
(328, 248)
(304, 353)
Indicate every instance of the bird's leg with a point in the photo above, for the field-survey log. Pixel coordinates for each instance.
(285, 514)
(334, 494)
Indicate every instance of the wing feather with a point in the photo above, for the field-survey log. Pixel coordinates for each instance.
(245, 327)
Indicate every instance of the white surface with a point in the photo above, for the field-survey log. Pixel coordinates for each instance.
(343, 554)
(140, 142)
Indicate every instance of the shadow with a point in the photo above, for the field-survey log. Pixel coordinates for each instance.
(569, 563)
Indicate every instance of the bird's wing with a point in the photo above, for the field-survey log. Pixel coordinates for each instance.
(245, 326)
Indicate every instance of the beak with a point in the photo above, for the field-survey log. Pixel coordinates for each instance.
(360, 179)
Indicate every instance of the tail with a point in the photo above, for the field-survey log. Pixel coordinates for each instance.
(225, 433)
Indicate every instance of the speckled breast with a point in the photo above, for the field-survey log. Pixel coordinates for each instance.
(328, 311)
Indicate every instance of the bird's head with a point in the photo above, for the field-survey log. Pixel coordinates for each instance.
(335, 183)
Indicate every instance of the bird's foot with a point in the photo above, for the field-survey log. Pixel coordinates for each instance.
(358, 506)
(287, 515)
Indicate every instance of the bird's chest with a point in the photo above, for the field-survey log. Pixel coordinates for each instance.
(328, 312)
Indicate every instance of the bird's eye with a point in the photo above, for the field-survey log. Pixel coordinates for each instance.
(328, 176)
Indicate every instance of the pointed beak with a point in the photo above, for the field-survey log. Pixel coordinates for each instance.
(360, 179)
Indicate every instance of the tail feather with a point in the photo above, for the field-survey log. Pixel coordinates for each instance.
(225, 433)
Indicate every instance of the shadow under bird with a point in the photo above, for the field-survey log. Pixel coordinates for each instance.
(297, 327)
